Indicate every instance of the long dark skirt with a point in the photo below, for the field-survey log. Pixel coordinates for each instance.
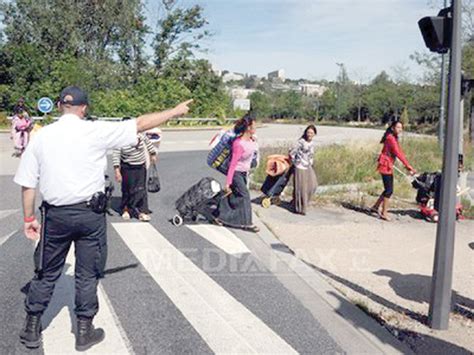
(304, 189)
(134, 194)
(236, 209)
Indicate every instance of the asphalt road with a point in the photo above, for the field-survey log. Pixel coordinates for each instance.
(175, 290)
(197, 140)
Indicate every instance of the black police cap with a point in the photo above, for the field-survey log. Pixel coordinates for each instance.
(73, 95)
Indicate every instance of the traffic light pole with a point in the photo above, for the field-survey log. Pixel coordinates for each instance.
(442, 110)
(440, 303)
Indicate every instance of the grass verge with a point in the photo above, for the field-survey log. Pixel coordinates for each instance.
(357, 163)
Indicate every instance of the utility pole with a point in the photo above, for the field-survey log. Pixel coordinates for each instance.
(339, 84)
(471, 125)
(440, 302)
(442, 104)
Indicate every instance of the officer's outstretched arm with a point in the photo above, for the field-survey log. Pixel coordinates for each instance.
(152, 120)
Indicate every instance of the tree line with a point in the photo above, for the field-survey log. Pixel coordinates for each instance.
(128, 68)
(107, 48)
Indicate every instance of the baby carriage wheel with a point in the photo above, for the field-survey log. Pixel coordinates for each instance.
(266, 202)
(177, 220)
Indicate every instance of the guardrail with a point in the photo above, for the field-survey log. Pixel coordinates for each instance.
(202, 120)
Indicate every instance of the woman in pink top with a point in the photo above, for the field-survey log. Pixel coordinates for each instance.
(20, 131)
(236, 210)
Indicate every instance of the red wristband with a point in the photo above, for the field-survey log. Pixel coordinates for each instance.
(29, 219)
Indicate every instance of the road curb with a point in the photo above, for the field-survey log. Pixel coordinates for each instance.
(363, 324)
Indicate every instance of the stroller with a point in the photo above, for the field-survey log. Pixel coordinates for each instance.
(201, 200)
(428, 186)
(279, 171)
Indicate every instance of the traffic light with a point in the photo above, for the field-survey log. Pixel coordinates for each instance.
(436, 31)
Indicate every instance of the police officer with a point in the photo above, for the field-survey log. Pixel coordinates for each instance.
(67, 159)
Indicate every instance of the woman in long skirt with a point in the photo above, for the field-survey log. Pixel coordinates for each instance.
(305, 182)
(130, 171)
(236, 209)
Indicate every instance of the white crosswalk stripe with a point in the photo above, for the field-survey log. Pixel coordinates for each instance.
(58, 337)
(6, 237)
(225, 324)
(222, 238)
(6, 213)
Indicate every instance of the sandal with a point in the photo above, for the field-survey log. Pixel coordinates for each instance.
(144, 217)
(218, 222)
(253, 228)
(385, 218)
(126, 215)
(374, 210)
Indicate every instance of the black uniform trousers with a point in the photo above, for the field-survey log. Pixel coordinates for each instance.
(62, 226)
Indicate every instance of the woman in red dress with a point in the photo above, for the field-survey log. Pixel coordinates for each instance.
(390, 152)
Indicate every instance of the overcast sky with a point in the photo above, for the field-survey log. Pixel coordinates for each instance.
(308, 37)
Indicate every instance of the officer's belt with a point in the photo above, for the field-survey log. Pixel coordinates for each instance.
(85, 204)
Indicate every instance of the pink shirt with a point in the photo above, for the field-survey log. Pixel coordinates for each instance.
(242, 154)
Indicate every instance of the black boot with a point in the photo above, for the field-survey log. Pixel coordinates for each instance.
(87, 335)
(30, 335)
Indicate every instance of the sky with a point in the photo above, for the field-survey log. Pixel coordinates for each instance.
(307, 38)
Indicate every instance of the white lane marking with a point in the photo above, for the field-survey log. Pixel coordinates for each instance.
(6, 213)
(223, 322)
(58, 337)
(5, 238)
(222, 238)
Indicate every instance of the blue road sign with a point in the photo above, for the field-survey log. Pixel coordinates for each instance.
(45, 105)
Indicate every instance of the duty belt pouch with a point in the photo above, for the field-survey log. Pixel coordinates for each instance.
(98, 202)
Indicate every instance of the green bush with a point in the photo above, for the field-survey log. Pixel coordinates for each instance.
(4, 121)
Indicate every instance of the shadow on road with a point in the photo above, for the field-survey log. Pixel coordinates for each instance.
(120, 268)
(415, 214)
(373, 296)
(286, 205)
(419, 343)
(417, 288)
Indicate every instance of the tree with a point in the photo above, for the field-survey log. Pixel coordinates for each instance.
(100, 46)
(328, 104)
(380, 97)
(261, 104)
(181, 31)
(344, 93)
(49, 43)
(404, 117)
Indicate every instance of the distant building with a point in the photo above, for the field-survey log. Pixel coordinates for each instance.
(277, 75)
(216, 70)
(284, 87)
(312, 89)
(226, 77)
(241, 104)
(240, 93)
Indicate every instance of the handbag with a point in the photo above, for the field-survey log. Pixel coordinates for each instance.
(153, 179)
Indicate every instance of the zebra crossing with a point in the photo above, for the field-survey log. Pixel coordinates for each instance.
(223, 323)
(197, 289)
